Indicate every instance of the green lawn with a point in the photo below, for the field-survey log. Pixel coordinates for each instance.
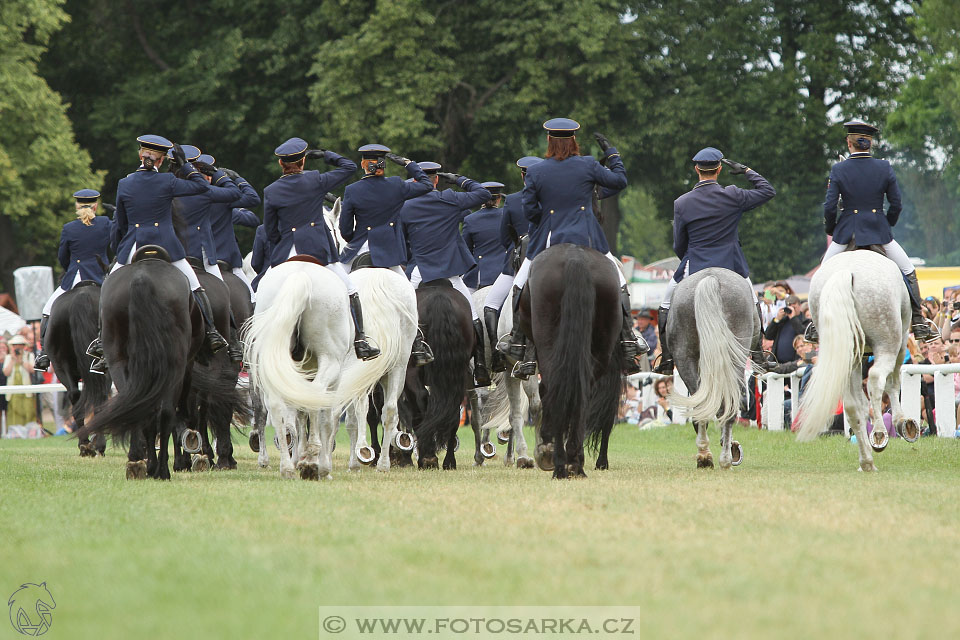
(794, 543)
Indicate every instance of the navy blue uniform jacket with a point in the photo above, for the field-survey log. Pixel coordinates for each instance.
(862, 181)
(143, 213)
(558, 198)
(293, 211)
(705, 222)
(371, 213)
(223, 217)
(198, 212)
(513, 226)
(260, 256)
(431, 224)
(79, 247)
(481, 233)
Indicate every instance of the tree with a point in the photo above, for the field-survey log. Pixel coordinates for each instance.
(40, 162)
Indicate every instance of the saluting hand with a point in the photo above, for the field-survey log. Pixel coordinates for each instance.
(330, 198)
(400, 160)
(449, 177)
(204, 168)
(230, 173)
(109, 207)
(179, 158)
(735, 167)
(602, 141)
(316, 154)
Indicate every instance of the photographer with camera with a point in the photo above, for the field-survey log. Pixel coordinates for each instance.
(788, 323)
(18, 367)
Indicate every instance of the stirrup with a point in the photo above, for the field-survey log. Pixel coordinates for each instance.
(661, 365)
(422, 353)
(925, 332)
(763, 361)
(215, 341)
(98, 366)
(95, 348)
(523, 370)
(810, 334)
(42, 363)
(508, 347)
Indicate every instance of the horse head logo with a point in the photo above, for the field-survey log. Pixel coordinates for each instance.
(31, 609)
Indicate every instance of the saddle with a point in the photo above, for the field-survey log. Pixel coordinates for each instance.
(151, 252)
(195, 262)
(440, 282)
(86, 283)
(305, 258)
(224, 265)
(363, 261)
(876, 248)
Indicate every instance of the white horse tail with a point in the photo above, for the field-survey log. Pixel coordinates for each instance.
(496, 406)
(267, 336)
(722, 360)
(841, 347)
(389, 305)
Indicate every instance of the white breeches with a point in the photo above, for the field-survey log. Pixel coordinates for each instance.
(181, 264)
(524, 272)
(456, 281)
(499, 291)
(237, 271)
(893, 250)
(336, 267)
(57, 292)
(672, 284)
(212, 269)
(348, 266)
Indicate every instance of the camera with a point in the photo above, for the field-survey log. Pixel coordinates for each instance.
(955, 306)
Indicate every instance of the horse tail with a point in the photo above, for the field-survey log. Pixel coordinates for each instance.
(496, 406)
(388, 308)
(841, 348)
(722, 360)
(567, 395)
(84, 312)
(217, 386)
(154, 360)
(267, 335)
(605, 399)
(447, 373)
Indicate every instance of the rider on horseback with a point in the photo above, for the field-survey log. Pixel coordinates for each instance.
(514, 227)
(370, 218)
(294, 223)
(82, 242)
(144, 216)
(558, 200)
(862, 181)
(705, 221)
(431, 224)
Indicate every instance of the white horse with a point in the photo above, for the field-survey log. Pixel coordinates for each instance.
(300, 307)
(859, 305)
(506, 407)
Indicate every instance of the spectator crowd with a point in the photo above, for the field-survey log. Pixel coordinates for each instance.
(22, 413)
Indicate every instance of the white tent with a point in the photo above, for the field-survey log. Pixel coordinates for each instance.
(10, 322)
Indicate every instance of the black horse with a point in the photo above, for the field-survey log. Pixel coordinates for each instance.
(434, 415)
(214, 402)
(151, 331)
(73, 325)
(571, 308)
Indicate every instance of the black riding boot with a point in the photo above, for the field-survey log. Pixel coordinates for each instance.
(757, 357)
(480, 374)
(421, 351)
(515, 344)
(633, 345)
(360, 344)
(490, 318)
(235, 350)
(665, 366)
(95, 351)
(922, 330)
(214, 340)
(42, 363)
(527, 365)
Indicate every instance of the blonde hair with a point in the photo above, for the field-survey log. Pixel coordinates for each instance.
(86, 212)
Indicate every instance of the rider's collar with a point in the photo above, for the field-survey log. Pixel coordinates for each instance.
(860, 154)
(704, 183)
(143, 168)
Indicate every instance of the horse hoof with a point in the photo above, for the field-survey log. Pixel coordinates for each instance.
(487, 450)
(430, 463)
(137, 470)
(544, 457)
(704, 462)
(525, 462)
(736, 451)
(286, 474)
(868, 466)
(263, 464)
(909, 430)
(309, 471)
(503, 437)
(255, 442)
(403, 441)
(87, 451)
(879, 440)
(190, 441)
(366, 454)
(199, 463)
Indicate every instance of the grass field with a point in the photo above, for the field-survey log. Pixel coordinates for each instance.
(794, 543)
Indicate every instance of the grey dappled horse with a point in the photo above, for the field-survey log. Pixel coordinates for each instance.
(712, 325)
(859, 305)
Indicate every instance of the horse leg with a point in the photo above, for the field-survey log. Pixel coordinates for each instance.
(883, 364)
(165, 426)
(906, 428)
(391, 418)
(221, 428)
(282, 423)
(450, 458)
(473, 399)
(855, 408)
(136, 454)
(309, 462)
(602, 463)
(353, 432)
(545, 449)
(575, 456)
(374, 404)
(326, 427)
(181, 459)
(529, 388)
(726, 444)
(260, 424)
(704, 457)
(304, 426)
(206, 449)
